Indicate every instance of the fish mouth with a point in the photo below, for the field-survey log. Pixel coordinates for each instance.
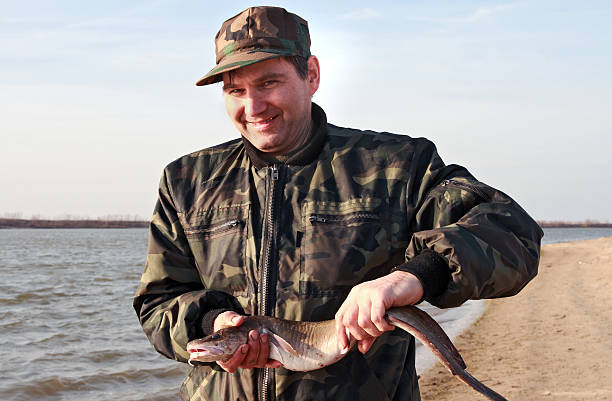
(204, 349)
(204, 353)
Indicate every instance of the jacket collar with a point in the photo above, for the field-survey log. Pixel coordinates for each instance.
(303, 156)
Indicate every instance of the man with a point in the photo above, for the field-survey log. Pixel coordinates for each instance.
(304, 220)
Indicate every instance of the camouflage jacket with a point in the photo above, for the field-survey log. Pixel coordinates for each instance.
(232, 230)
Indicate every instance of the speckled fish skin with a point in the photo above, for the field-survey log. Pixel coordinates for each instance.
(314, 345)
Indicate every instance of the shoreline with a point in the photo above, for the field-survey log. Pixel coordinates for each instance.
(551, 341)
(113, 222)
(42, 223)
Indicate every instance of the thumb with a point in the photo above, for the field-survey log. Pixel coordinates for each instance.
(227, 319)
(365, 344)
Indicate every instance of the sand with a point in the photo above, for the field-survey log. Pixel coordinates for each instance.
(552, 341)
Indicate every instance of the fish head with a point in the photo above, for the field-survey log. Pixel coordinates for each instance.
(219, 346)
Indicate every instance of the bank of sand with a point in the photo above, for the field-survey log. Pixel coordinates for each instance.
(552, 341)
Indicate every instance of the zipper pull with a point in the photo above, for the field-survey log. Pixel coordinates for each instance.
(317, 219)
(275, 172)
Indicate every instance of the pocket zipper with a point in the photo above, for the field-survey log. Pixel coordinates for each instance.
(469, 187)
(327, 218)
(228, 225)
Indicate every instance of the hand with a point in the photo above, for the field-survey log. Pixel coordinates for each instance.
(253, 354)
(363, 311)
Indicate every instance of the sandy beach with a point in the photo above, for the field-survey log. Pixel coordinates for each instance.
(552, 341)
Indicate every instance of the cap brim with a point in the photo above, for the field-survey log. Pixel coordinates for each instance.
(237, 61)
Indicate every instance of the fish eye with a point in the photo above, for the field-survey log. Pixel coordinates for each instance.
(215, 336)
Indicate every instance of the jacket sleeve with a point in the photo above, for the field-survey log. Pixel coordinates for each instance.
(171, 300)
(491, 246)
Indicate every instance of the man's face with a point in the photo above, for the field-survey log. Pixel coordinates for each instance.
(270, 104)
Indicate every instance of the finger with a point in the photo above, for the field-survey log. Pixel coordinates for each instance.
(341, 333)
(236, 360)
(364, 318)
(366, 324)
(254, 350)
(378, 317)
(341, 329)
(264, 351)
(365, 344)
(354, 328)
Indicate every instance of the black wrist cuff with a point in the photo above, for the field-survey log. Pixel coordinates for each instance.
(432, 271)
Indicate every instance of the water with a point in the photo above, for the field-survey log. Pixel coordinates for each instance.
(554, 235)
(68, 330)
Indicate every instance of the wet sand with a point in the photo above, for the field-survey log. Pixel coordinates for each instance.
(552, 341)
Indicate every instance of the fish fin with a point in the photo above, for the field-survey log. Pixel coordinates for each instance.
(275, 354)
(280, 342)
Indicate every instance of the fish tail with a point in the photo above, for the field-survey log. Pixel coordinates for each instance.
(428, 331)
(471, 381)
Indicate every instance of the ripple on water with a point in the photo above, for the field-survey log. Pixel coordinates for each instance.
(39, 297)
(60, 384)
(50, 387)
(17, 324)
(105, 356)
(52, 357)
(58, 338)
(103, 279)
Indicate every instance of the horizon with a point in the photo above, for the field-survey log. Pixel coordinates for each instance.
(97, 98)
(17, 216)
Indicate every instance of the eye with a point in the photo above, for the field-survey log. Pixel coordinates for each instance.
(236, 92)
(269, 83)
(215, 336)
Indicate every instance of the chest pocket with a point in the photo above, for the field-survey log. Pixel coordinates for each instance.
(217, 239)
(343, 244)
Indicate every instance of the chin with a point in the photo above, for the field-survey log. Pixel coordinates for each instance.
(266, 146)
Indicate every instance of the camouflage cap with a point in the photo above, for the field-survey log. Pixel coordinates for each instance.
(257, 34)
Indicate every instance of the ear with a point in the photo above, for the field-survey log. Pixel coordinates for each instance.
(314, 74)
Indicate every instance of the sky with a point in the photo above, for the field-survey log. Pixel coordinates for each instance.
(97, 97)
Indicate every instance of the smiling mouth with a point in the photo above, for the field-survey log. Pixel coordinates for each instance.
(262, 123)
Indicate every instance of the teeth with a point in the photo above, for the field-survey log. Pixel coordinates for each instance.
(262, 122)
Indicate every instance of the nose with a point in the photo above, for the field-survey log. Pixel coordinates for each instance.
(254, 104)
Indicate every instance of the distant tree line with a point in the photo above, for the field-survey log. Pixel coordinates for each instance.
(16, 220)
(68, 216)
(42, 223)
(570, 224)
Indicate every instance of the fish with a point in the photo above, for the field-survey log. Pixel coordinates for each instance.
(305, 346)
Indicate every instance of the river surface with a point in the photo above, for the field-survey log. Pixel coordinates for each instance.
(68, 330)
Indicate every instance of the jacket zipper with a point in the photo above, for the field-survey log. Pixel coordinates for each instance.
(267, 293)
